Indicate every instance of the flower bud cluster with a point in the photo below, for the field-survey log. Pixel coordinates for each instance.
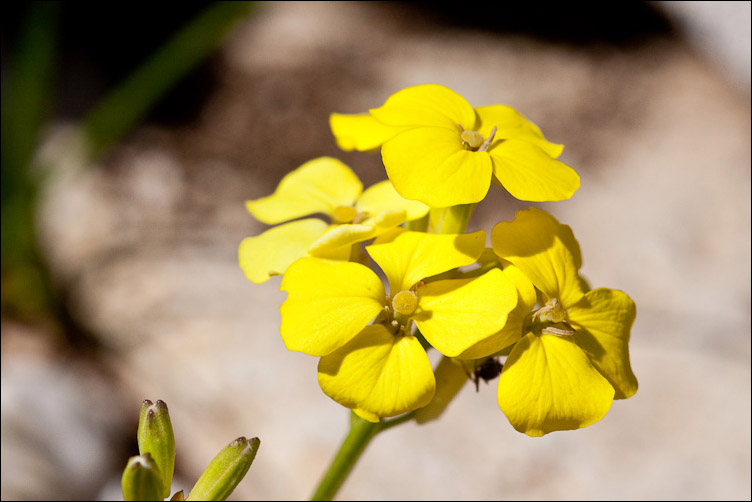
(148, 476)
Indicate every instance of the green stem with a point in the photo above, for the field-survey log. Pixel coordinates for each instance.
(419, 225)
(450, 220)
(361, 433)
(388, 424)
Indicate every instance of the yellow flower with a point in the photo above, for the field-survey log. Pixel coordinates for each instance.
(323, 185)
(573, 357)
(441, 151)
(381, 370)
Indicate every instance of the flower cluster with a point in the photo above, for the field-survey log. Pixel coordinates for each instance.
(566, 346)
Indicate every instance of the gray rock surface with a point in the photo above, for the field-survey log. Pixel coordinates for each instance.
(60, 414)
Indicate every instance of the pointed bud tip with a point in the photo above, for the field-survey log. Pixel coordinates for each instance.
(141, 479)
(138, 462)
(245, 444)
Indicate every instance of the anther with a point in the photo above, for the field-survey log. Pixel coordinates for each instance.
(488, 141)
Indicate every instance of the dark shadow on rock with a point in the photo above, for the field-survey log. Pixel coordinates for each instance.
(576, 23)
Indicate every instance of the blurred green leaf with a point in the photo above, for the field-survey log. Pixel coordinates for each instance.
(25, 101)
(120, 110)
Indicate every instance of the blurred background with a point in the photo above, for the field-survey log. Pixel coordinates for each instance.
(132, 134)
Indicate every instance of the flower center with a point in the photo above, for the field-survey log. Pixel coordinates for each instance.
(552, 319)
(405, 302)
(344, 214)
(553, 311)
(473, 140)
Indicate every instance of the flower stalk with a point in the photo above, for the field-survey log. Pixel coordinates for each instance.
(450, 220)
(360, 434)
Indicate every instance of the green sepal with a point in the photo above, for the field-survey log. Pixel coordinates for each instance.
(225, 471)
(141, 479)
(155, 436)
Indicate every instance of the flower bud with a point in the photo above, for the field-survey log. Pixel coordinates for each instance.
(141, 479)
(226, 470)
(155, 436)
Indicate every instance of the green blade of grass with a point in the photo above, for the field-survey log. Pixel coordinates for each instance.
(123, 107)
(25, 102)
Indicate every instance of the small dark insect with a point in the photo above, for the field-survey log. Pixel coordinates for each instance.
(487, 371)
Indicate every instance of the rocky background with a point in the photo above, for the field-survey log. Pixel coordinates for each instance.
(655, 116)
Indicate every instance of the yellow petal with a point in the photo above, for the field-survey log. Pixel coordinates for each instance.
(412, 256)
(426, 105)
(360, 132)
(366, 415)
(526, 294)
(455, 314)
(512, 330)
(318, 186)
(339, 236)
(383, 197)
(529, 173)
(328, 303)
(273, 251)
(450, 378)
(386, 220)
(548, 384)
(510, 124)
(430, 164)
(378, 373)
(544, 250)
(602, 320)
(508, 335)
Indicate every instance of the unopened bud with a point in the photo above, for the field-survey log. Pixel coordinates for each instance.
(226, 470)
(155, 436)
(141, 479)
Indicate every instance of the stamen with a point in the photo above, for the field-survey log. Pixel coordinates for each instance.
(550, 330)
(552, 311)
(489, 140)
